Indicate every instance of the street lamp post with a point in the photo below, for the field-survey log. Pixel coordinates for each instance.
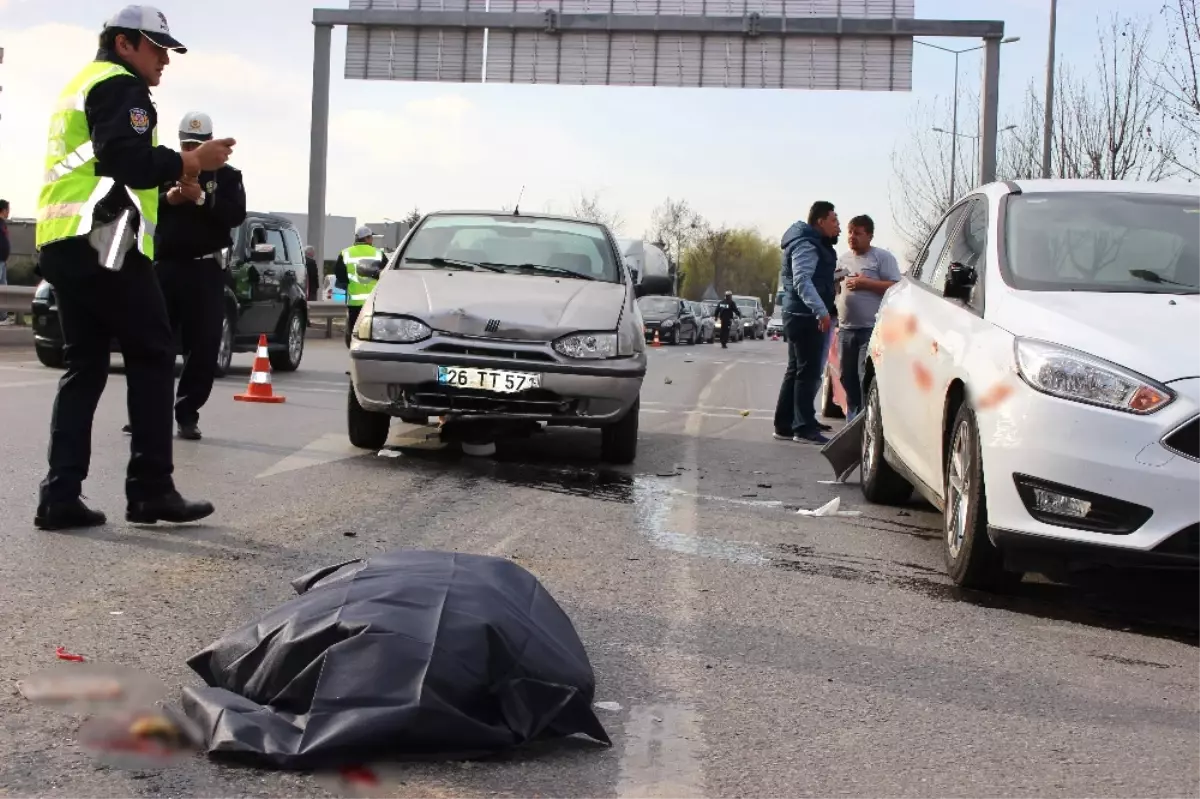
(1048, 121)
(954, 114)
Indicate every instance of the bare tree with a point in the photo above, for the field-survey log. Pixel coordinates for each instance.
(1178, 80)
(413, 217)
(588, 207)
(1111, 123)
(676, 224)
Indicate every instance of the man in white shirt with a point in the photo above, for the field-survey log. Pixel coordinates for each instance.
(870, 271)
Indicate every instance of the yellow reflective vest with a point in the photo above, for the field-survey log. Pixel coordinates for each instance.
(71, 187)
(358, 288)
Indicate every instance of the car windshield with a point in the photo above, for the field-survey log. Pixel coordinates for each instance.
(515, 244)
(658, 305)
(1119, 242)
(746, 307)
(777, 313)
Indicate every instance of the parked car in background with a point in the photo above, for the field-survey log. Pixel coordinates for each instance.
(1035, 376)
(754, 319)
(775, 323)
(501, 317)
(265, 294)
(708, 327)
(671, 318)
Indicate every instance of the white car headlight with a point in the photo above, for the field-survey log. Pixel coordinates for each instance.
(397, 329)
(1072, 375)
(587, 345)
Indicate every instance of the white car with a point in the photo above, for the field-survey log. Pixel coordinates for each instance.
(1036, 375)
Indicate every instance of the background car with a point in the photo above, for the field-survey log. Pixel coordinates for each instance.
(754, 319)
(775, 322)
(265, 293)
(708, 327)
(671, 317)
(1035, 375)
(496, 318)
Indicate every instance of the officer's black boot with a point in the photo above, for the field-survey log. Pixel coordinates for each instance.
(189, 432)
(168, 508)
(67, 515)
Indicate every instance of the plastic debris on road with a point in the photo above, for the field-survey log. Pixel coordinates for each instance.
(62, 654)
(406, 653)
(611, 707)
(830, 508)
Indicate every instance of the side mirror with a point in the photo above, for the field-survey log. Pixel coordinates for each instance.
(369, 269)
(960, 279)
(263, 253)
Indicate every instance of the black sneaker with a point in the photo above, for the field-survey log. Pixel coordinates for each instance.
(189, 432)
(813, 437)
(824, 427)
(168, 508)
(67, 515)
(127, 430)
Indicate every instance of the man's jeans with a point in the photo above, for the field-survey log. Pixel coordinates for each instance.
(796, 410)
(852, 348)
(4, 317)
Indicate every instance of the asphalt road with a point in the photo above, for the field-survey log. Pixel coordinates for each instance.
(753, 651)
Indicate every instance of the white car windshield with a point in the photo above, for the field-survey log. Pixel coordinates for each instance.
(1091, 241)
(658, 305)
(513, 244)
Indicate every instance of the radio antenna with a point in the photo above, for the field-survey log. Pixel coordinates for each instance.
(517, 207)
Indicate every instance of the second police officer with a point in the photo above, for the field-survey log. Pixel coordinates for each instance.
(195, 223)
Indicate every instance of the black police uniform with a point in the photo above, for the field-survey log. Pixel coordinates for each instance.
(96, 305)
(187, 248)
(725, 311)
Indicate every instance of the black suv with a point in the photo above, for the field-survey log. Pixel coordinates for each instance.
(264, 293)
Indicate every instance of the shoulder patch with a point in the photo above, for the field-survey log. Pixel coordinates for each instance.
(139, 120)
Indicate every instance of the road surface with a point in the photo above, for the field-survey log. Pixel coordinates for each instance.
(752, 651)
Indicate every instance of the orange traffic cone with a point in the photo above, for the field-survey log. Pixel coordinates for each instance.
(259, 388)
(656, 342)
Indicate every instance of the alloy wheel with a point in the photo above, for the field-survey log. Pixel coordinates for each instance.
(958, 494)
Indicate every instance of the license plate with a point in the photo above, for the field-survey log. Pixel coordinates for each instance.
(496, 380)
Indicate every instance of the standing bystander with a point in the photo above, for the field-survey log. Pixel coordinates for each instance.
(870, 271)
(312, 273)
(809, 262)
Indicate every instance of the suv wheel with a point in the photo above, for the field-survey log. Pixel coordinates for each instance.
(972, 561)
(288, 359)
(881, 483)
(619, 440)
(225, 350)
(367, 429)
(50, 356)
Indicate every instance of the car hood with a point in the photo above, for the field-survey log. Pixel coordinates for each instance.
(522, 307)
(658, 316)
(1153, 334)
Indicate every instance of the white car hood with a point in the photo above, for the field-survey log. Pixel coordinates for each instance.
(520, 307)
(1153, 334)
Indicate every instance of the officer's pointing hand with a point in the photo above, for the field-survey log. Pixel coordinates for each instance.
(208, 156)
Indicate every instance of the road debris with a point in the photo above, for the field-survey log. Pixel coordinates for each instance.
(62, 654)
(830, 508)
(611, 707)
(418, 652)
(668, 380)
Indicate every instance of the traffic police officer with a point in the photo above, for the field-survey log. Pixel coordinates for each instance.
(356, 286)
(96, 220)
(196, 220)
(725, 311)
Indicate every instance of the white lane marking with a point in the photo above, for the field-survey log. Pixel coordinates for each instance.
(708, 407)
(666, 761)
(328, 448)
(658, 754)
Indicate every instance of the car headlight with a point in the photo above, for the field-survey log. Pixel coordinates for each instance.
(1072, 375)
(667, 323)
(42, 292)
(395, 329)
(587, 345)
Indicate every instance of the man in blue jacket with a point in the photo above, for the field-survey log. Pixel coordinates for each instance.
(808, 288)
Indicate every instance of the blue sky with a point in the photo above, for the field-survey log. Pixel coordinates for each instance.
(753, 158)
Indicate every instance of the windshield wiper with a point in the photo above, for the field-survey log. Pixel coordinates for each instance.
(553, 270)
(1154, 277)
(453, 262)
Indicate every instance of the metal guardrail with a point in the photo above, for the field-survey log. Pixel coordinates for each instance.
(19, 299)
